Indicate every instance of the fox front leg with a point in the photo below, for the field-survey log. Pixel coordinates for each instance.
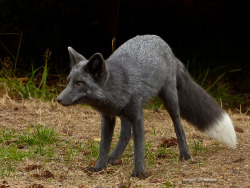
(123, 141)
(139, 150)
(107, 130)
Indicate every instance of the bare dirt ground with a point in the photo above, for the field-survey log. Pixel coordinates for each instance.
(217, 166)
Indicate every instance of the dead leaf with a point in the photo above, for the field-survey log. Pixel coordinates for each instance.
(239, 160)
(67, 132)
(32, 167)
(97, 139)
(239, 130)
(4, 186)
(153, 180)
(83, 186)
(117, 162)
(161, 156)
(47, 174)
(125, 183)
(168, 142)
(36, 186)
(20, 146)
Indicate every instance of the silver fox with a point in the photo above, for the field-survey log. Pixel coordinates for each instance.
(142, 68)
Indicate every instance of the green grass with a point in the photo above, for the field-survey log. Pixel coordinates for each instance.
(153, 154)
(43, 144)
(168, 184)
(40, 137)
(33, 139)
(33, 85)
(198, 148)
(150, 154)
(38, 141)
(94, 147)
(5, 134)
(7, 169)
(12, 152)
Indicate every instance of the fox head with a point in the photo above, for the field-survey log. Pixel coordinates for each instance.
(85, 80)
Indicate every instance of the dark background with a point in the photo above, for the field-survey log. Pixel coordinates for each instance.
(210, 34)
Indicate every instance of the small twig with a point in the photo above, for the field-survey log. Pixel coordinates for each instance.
(116, 26)
(7, 50)
(18, 49)
(199, 180)
(113, 44)
(9, 33)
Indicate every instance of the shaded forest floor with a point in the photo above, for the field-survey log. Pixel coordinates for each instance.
(78, 130)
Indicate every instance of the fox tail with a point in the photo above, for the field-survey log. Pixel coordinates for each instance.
(201, 110)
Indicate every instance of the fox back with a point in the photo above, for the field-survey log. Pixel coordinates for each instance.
(135, 71)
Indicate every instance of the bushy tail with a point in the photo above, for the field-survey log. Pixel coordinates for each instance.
(200, 109)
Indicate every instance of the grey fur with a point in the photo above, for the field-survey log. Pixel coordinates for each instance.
(142, 68)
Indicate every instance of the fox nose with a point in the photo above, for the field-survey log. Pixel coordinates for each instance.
(59, 100)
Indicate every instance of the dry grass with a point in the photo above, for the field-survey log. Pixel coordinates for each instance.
(81, 124)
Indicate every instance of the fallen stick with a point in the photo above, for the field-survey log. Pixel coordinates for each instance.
(199, 180)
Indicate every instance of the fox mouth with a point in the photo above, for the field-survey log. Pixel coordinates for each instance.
(69, 104)
(66, 102)
(73, 102)
(79, 100)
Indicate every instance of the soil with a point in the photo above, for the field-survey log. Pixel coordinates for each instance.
(218, 166)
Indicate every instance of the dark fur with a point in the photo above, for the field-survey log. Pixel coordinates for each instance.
(142, 68)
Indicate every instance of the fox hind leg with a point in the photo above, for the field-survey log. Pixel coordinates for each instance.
(170, 100)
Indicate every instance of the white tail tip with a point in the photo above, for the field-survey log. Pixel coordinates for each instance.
(223, 131)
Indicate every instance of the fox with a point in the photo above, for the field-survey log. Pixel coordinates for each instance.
(120, 86)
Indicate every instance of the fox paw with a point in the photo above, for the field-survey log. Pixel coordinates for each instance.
(140, 175)
(111, 160)
(115, 162)
(91, 169)
(185, 156)
(96, 169)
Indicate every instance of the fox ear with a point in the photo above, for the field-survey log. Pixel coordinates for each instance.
(75, 57)
(97, 67)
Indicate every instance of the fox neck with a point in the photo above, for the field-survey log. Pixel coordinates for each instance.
(112, 98)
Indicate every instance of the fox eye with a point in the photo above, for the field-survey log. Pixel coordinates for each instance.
(79, 84)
